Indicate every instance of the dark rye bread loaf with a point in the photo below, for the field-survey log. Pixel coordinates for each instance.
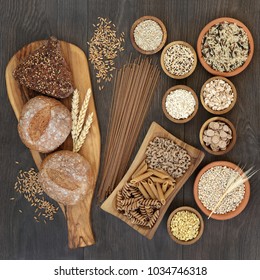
(44, 124)
(46, 71)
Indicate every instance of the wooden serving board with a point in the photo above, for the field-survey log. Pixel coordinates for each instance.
(155, 130)
(77, 216)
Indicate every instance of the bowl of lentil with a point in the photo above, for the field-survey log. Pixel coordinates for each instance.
(218, 95)
(218, 136)
(210, 184)
(148, 35)
(225, 47)
(178, 60)
(185, 225)
(180, 104)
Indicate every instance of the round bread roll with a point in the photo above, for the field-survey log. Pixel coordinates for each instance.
(66, 177)
(44, 125)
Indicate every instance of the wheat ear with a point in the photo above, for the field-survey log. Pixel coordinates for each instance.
(74, 115)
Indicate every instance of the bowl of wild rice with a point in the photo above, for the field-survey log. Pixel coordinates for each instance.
(148, 35)
(185, 225)
(178, 60)
(218, 95)
(180, 104)
(210, 185)
(225, 47)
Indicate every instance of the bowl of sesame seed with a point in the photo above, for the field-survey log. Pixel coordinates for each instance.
(225, 47)
(178, 60)
(148, 35)
(210, 185)
(185, 225)
(180, 104)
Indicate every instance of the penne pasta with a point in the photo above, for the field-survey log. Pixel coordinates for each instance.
(143, 191)
(148, 189)
(159, 174)
(165, 186)
(169, 192)
(152, 187)
(157, 180)
(142, 168)
(160, 193)
(141, 177)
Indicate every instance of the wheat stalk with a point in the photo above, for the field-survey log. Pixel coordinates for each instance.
(233, 182)
(80, 141)
(74, 115)
(79, 129)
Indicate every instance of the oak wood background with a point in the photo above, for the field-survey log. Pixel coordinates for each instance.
(22, 22)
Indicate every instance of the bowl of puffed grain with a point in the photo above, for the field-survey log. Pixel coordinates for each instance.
(185, 225)
(178, 60)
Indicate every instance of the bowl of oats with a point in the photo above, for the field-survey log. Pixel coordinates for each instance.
(178, 60)
(185, 225)
(180, 104)
(221, 190)
(225, 47)
(218, 136)
(148, 35)
(218, 95)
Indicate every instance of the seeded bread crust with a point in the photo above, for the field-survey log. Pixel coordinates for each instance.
(44, 125)
(46, 71)
(66, 177)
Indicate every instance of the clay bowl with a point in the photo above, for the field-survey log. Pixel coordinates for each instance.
(163, 30)
(164, 107)
(230, 145)
(193, 66)
(221, 112)
(228, 215)
(206, 29)
(192, 241)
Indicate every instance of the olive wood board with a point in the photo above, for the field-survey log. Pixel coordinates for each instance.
(78, 216)
(155, 130)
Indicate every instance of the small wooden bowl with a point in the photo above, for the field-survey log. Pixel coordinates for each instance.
(163, 30)
(164, 107)
(190, 209)
(230, 145)
(193, 66)
(221, 112)
(206, 29)
(230, 214)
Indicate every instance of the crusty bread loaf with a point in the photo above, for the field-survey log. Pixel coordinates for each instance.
(46, 71)
(66, 177)
(44, 125)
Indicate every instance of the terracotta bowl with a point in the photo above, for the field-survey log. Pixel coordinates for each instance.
(190, 209)
(193, 66)
(228, 215)
(164, 107)
(230, 145)
(221, 112)
(163, 30)
(206, 29)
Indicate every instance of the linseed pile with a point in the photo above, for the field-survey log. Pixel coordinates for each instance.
(27, 184)
(104, 47)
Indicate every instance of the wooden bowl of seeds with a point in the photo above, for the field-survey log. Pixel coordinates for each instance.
(218, 95)
(185, 225)
(180, 104)
(148, 35)
(218, 136)
(208, 194)
(233, 50)
(178, 60)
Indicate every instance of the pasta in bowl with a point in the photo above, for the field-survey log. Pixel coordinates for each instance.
(144, 194)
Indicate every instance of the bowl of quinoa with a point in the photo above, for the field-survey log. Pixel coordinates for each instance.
(210, 184)
(178, 60)
(225, 47)
(180, 104)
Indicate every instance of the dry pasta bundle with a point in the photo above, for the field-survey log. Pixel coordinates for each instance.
(141, 198)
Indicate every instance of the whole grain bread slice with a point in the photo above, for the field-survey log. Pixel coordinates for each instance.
(45, 70)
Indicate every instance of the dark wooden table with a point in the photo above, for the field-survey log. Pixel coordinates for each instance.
(22, 22)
